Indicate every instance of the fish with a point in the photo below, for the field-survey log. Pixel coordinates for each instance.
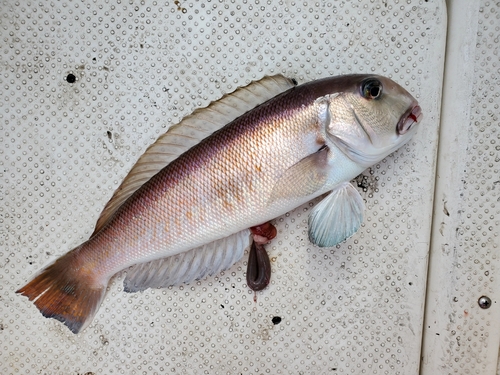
(186, 208)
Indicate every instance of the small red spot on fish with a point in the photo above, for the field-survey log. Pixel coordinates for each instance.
(466, 313)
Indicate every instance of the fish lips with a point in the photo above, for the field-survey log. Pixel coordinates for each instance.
(411, 117)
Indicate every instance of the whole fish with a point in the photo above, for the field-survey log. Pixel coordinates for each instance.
(186, 207)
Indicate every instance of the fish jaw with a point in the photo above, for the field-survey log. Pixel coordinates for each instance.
(374, 148)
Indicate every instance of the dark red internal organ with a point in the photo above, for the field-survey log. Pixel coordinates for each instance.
(265, 232)
(259, 265)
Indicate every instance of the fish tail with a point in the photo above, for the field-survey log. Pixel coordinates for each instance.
(66, 293)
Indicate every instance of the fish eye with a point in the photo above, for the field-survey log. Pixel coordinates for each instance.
(371, 89)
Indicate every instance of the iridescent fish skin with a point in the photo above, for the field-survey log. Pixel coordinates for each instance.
(303, 143)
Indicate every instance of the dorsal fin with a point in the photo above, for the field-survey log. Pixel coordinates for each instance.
(190, 265)
(189, 132)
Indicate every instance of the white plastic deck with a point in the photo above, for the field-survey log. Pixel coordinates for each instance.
(460, 337)
(363, 307)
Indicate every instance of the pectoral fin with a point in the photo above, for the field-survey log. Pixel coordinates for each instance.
(303, 178)
(337, 217)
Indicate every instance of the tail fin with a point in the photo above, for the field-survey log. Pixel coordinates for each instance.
(61, 292)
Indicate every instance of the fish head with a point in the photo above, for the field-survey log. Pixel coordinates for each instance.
(371, 117)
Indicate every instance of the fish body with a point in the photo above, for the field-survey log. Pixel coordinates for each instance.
(191, 218)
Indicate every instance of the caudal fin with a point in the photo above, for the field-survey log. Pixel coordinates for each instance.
(62, 292)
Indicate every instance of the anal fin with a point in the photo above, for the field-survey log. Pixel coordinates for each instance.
(191, 265)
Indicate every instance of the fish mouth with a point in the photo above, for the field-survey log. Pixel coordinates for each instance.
(411, 117)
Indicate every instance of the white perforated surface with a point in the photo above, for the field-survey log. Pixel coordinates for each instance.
(139, 68)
